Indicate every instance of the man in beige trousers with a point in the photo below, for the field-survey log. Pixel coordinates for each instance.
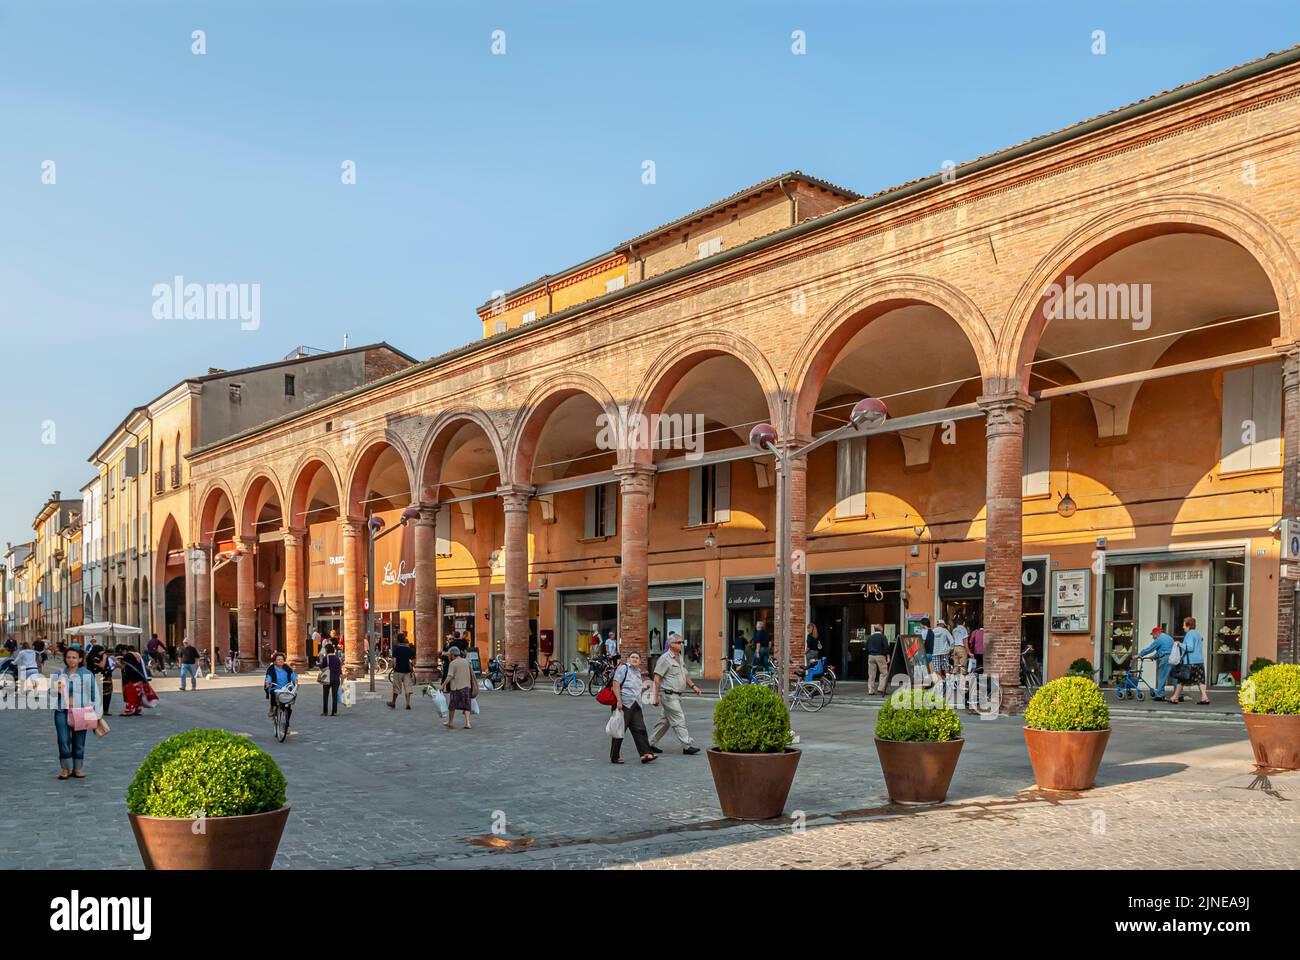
(671, 681)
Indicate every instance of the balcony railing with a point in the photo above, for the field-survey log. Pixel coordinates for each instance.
(158, 482)
(176, 475)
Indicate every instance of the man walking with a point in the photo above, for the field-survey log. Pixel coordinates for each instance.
(189, 661)
(671, 681)
(611, 647)
(943, 644)
(1161, 645)
(877, 661)
(762, 645)
(403, 679)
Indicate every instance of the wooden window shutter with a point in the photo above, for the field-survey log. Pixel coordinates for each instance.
(693, 499)
(611, 509)
(721, 492)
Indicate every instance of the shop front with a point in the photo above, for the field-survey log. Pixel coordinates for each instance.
(961, 600)
(677, 608)
(1164, 588)
(585, 617)
(324, 583)
(845, 606)
(497, 621)
(748, 603)
(458, 612)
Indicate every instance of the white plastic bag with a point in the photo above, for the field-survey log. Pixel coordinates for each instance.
(440, 702)
(473, 707)
(615, 727)
(348, 693)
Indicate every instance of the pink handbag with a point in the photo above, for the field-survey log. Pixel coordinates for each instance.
(83, 718)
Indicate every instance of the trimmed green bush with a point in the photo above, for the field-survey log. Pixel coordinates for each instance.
(1274, 690)
(1068, 703)
(1258, 664)
(917, 716)
(751, 719)
(209, 772)
(1080, 668)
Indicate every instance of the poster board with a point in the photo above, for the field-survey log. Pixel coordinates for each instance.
(1071, 594)
(907, 659)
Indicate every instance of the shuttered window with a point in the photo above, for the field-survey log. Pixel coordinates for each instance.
(442, 528)
(1252, 418)
(600, 516)
(1035, 476)
(851, 478)
(709, 499)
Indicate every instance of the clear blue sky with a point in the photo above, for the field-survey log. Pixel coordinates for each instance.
(475, 172)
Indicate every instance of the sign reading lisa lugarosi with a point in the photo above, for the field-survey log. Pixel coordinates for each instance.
(967, 579)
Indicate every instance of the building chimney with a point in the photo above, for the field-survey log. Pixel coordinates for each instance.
(345, 341)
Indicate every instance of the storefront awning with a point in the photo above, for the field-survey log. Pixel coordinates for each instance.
(1176, 556)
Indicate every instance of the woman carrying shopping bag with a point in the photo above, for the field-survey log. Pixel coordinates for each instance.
(76, 711)
(331, 673)
(627, 691)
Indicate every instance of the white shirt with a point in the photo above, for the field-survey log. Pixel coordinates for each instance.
(959, 635)
(25, 660)
(611, 646)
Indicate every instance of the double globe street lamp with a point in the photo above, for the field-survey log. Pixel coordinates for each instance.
(867, 413)
(375, 527)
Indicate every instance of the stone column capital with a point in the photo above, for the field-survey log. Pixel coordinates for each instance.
(635, 478)
(515, 496)
(246, 544)
(352, 526)
(428, 514)
(294, 536)
(1005, 412)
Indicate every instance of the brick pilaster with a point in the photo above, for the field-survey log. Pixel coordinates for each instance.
(354, 593)
(246, 602)
(1003, 550)
(1290, 493)
(514, 501)
(200, 576)
(427, 640)
(798, 553)
(295, 598)
(634, 570)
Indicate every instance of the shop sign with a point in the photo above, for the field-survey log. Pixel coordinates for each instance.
(967, 579)
(745, 595)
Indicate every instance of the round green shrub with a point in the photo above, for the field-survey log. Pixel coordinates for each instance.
(917, 716)
(1274, 690)
(1259, 663)
(1081, 667)
(751, 719)
(211, 773)
(1068, 703)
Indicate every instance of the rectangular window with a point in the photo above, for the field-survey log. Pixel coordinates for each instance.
(615, 284)
(290, 385)
(600, 511)
(851, 478)
(442, 528)
(236, 392)
(499, 327)
(709, 498)
(1252, 418)
(529, 317)
(1035, 478)
(708, 248)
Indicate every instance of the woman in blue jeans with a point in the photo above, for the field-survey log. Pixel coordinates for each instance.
(72, 686)
(329, 660)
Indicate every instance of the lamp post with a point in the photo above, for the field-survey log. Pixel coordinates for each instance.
(218, 561)
(375, 527)
(868, 412)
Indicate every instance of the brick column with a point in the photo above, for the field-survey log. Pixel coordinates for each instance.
(1003, 550)
(515, 499)
(634, 569)
(354, 594)
(200, 574)
(246, 602)
(1290, 493)
(295, 598)
(427, 640)
(798, 552)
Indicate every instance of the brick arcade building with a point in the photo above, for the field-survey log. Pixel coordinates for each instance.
(1087, 344)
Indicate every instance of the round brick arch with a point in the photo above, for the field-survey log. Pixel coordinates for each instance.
(854, 312)
(678, 360)
(1123, 226)
(537, 409)
(369, 449)
(258, 481)
(208, 504)
(304, 472)
(429, 460)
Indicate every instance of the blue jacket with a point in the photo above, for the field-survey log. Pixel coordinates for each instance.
(1194, 647)
(1161, 645)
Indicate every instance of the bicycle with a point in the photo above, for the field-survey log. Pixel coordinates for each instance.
(282, 702)
(1030, 677)
(598, 674)
(520, 677)
(808, 695)
(552, 668)
(570, 683)
(731, 678)
(817, 673)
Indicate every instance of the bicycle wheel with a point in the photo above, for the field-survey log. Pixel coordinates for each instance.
(809, 696)
(828, 688)
(560, 685)
(596, 683)
(524, 679)
(577, 687)
(281, 724)
(726, 683)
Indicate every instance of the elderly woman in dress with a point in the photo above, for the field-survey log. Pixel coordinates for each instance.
(461, 687)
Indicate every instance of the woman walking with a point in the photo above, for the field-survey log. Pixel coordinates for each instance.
(76, 700)
(461, 684)
(99, 662)
(627, 691)
(1192, 669)
(133, 681)
(330, 661)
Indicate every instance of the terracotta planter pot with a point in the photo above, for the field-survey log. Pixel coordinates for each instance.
(1275, 740)
(1065, 759)
(227, 843)
(753, 786)
(918, 772)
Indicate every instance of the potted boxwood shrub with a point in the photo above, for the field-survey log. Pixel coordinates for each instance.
(207, 800)
(752, 762)
(918, 740)
(1270, 705)
(1067, 724)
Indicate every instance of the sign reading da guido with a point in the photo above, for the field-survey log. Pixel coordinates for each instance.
(967, 579)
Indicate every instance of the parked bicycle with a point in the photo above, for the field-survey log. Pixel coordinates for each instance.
(732, 678)
(599, 670)
(552, 667)
(519, 677)
(821, 674)
(1031, 676)
(808, 695)
(569, 682)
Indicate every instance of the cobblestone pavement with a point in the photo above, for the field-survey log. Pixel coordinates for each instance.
(374, 788)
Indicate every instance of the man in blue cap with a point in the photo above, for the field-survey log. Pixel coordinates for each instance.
(1161, 644)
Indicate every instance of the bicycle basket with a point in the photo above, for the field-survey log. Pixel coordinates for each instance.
(286, 696)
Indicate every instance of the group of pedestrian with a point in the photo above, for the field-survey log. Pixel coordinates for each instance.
(1180, 659)
(670, 683)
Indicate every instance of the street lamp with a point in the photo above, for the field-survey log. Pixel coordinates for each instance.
(218, 561)
(375, 526)
(867, 413)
